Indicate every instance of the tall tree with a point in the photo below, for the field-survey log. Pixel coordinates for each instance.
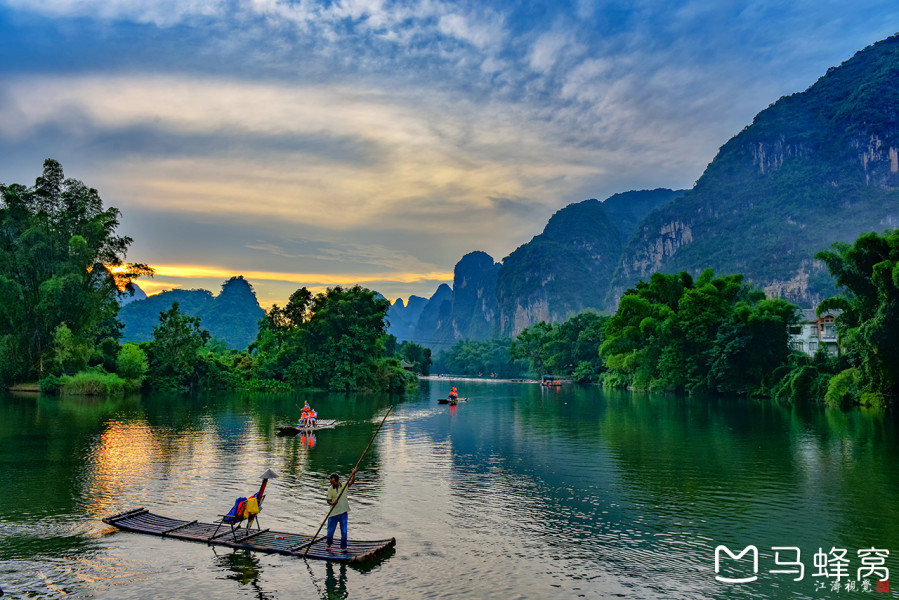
(868, 326)
(345, 335)
(174, 353)
(480, 357)
(61, 262)
(332, 340)
(530, 345)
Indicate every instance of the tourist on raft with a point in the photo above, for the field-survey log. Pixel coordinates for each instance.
(308, 417)
(337, 498)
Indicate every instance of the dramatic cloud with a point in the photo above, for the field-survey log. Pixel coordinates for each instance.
(376, 142)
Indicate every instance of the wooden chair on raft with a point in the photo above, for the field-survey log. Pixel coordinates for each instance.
(245, 509)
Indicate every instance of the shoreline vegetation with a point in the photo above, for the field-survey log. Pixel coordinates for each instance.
(62, 273)
(719, 335)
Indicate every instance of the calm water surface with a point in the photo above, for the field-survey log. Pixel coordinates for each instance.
(520, 492)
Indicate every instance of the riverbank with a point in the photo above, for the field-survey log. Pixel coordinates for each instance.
(478, 379)
(31, 388)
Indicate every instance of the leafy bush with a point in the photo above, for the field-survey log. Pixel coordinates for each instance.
(92, 383)
(265, 385)
(49, 384)
(843, 389)
(390, 376)
(132, 363)
(806, 377)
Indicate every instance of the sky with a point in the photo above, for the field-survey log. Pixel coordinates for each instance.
(302, 143)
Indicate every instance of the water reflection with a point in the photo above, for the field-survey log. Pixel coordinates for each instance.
(121, 460)
(522, 491)
(335, 582)
(243, 567)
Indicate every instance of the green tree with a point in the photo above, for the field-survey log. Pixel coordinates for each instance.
(418, 356)
(751, 346)
(132, 363)
(334, 340)
(299, 307)
(806, 378)
(478, 358)
(344, 338)
(174, 353)
(868, 326)
(642, 347)
(716, 333)
(60, 263)
(530, 345)
(68, 353)
(571, 349)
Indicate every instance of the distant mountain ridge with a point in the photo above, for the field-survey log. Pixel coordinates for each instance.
(403, 317)
(565, 269)
(232, 316)
(126, 298)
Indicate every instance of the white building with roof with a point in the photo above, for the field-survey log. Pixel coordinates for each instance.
(813, 332)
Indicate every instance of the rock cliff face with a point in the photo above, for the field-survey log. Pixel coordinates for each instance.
(563, 270)
(814, 168)
(879, 161)
(474, 313)
(569, 266)
(434, 316)
(467, 311)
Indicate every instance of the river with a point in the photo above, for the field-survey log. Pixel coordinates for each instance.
(519, 492)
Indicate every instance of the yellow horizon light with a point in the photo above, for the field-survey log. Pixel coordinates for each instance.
(201, 271)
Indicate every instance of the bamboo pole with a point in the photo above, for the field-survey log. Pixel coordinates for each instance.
(349, 482)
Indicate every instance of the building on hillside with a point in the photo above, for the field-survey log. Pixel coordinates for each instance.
(812, 332)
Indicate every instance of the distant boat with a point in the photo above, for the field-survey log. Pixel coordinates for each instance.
(550, 381)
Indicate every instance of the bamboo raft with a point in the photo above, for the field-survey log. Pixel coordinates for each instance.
(451, 401)
(141, 520)
(294, 430)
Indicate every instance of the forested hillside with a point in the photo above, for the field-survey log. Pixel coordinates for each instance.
(814, 168)
(232, 316)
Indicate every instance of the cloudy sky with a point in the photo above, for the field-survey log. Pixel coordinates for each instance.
(305, 143)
